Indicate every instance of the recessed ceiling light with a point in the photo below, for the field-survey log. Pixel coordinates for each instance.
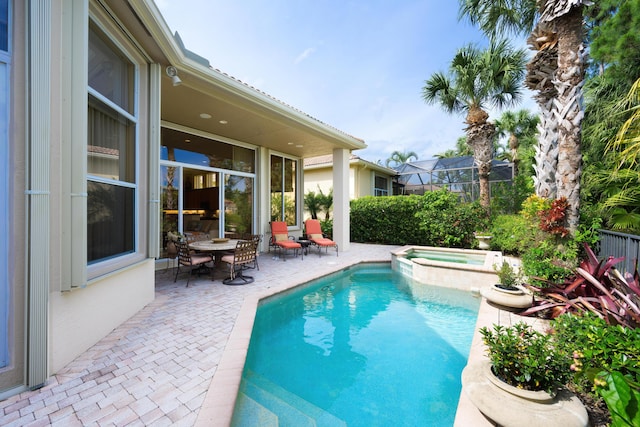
(205, 116)
(187, 141)
(289, 143)
(299, 145)
(223, 122)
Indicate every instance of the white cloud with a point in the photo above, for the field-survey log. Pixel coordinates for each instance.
(304, 55)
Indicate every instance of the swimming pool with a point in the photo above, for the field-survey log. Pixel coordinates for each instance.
(362, 347)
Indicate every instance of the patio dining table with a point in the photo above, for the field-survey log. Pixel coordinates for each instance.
(211, 246)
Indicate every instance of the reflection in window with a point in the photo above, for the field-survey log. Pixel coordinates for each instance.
(196, 150)
(110, 212)
(110, 73)
(381, 186)
(4, 25)
(238, 205)
(111, 149)
(284, 199)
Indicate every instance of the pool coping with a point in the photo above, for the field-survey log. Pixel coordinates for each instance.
(219, 402)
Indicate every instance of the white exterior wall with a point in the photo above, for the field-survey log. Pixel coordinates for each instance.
(82, 317)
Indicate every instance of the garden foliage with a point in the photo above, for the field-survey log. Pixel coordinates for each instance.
(606, 360)
(525, 358)
(596, 287)
(435, 219)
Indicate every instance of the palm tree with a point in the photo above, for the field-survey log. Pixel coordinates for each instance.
(515, 126)
(566, 18)
(477, 79)
(557, 73)
(398, 157)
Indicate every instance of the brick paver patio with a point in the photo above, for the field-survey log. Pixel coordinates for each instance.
(156, 368)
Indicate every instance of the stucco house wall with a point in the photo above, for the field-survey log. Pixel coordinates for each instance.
(59, 302)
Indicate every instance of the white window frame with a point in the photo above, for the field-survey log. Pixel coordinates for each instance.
(299, 190)
(5, 164)
(102, 267)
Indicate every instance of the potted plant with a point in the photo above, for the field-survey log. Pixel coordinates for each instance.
(522, 381)
(525, 358)
(508, 278)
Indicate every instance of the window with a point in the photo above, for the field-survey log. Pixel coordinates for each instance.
(381, 186)
(4, 25)
(111, 151)
(284, 184)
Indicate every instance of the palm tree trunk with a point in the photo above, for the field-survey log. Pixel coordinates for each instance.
(480, 139)
(540, 73)
(568, 82)
(546, 157)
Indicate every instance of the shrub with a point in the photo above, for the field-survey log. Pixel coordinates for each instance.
(513, 234)
(447, 222)
(434, 219)
(605, 359)
(526, 358)
(386, 220)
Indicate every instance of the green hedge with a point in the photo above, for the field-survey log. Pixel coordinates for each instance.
(436, 219)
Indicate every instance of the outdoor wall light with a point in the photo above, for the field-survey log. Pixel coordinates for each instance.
(173, 73)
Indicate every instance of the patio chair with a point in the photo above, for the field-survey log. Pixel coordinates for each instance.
(256, 239)
(281, 241)
(244, 255)
(314, 234)
(192, 260)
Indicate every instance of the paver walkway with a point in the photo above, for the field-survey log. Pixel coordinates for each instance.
(155, 369)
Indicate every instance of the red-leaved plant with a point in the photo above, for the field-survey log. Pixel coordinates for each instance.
(597, 287)
(553, 220)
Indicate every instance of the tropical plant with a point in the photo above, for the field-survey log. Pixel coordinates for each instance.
(462, 149)
(516, 126)
(556, 73)
(596, 287)
(508, 277)
(312, 204)
(623, 203)
(325, 201)
(525, 358)
(605, 360)
(478, 79)
(398, 157)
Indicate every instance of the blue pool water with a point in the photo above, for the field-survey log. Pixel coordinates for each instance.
(363, 347)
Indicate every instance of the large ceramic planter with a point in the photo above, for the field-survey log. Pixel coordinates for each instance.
(509, 406)
(507, 299)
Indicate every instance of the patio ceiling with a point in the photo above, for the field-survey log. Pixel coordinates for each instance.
(254, 118)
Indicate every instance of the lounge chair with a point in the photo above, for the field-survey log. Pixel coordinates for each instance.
(314, 234)
(244, 256)
(281, 241)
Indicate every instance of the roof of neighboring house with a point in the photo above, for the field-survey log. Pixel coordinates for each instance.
(327, 161)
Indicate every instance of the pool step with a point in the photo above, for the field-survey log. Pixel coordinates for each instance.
(260, 400)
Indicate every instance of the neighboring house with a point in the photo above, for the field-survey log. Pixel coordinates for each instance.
(365, 178)
(113, 134)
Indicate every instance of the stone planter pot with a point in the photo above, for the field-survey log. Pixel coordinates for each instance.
(483, 242)
(509, 406)
(507, 299)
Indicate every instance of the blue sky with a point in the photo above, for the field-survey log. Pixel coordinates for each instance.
(357, 65)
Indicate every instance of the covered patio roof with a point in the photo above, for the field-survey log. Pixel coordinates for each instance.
(231, 108)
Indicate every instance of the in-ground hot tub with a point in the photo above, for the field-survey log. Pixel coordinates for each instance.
(466, 269)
